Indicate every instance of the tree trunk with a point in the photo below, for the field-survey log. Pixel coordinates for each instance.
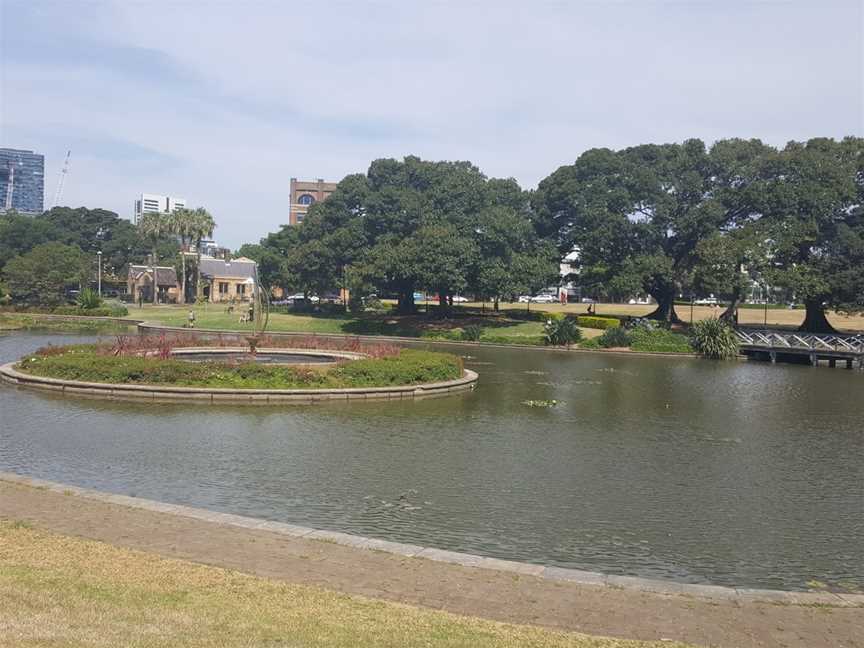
(198, 291)
(815, 320)
(155, 279)
(665, 311)
(406, 301)
(182, 296)
(729, 314)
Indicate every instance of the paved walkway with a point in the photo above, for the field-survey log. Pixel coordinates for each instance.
(464, 590)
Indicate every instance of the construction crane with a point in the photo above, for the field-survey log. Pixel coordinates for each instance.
(61, 180)
(10, 186)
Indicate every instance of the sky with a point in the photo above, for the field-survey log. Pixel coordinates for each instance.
(222, 102)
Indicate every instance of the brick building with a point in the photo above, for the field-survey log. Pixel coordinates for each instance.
(306, 194)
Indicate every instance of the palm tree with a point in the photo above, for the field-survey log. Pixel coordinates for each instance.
(180, 223)
(201, 226)
(152, 226)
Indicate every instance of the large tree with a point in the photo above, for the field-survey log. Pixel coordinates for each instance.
(95, 230)
(40, 276)
(414, 224)
(638, 215)
(811, 195)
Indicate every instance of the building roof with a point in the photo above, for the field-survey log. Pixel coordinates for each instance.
(240, 267)
(165, 276)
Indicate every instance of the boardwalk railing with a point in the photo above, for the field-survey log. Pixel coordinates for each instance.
(785, 341)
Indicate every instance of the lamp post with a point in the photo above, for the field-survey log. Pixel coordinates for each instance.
(99, 273)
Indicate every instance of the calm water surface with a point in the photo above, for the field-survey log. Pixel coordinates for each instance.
(728, 473)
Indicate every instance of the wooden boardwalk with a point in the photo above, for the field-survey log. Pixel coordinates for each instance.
(785, 346)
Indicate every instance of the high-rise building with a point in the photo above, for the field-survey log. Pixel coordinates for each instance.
(159, 204)
(306, 194)
(22, 181)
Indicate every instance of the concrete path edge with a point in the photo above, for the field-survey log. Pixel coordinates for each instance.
(741, 595)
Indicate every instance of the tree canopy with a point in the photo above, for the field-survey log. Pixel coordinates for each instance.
(411, 225)
(675, 218)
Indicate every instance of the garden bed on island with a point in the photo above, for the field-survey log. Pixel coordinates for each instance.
(155, 367)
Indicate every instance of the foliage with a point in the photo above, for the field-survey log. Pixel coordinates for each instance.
(42, 275)
(472, 333)
(561, 332)
(615, 337)
(87, 364)
(540, 403)
(659, 341)
(714, 338)
(595, 322)
(811, 198)
(88, 299)
(637, 215)
(113, 310)
(412, 225)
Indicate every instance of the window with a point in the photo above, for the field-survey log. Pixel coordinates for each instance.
(241, 289)
(223, 287)
(306, 199)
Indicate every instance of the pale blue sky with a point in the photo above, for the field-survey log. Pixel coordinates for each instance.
(222, 102)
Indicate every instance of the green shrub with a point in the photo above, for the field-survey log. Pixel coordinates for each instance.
(88, 299)
(595, 322)
(533, 315)
(472, 333)
(561, 331)
(659, 341)
(614, 337)
(531, 340)
(714, 338)
(118, 310)
(591, 343)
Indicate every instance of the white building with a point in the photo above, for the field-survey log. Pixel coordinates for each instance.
(154, 203)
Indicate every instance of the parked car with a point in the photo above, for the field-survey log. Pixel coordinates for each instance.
(543, 299)
(706, 301)
(459, 299)
(299, 297)
(524, 299)
(588, 300)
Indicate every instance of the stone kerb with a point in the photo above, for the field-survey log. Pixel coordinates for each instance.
(114, 391)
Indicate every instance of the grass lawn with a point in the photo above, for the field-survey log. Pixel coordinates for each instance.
(782, 317)
(62, 592)
(24, 321)
(495, 329)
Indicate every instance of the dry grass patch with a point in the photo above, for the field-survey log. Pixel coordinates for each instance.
(61, 591)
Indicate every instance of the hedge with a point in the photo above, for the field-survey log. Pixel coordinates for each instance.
(592, 321)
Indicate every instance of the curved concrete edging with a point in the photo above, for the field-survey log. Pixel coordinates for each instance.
(741, 595)
(335, 356)
(116, 391)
